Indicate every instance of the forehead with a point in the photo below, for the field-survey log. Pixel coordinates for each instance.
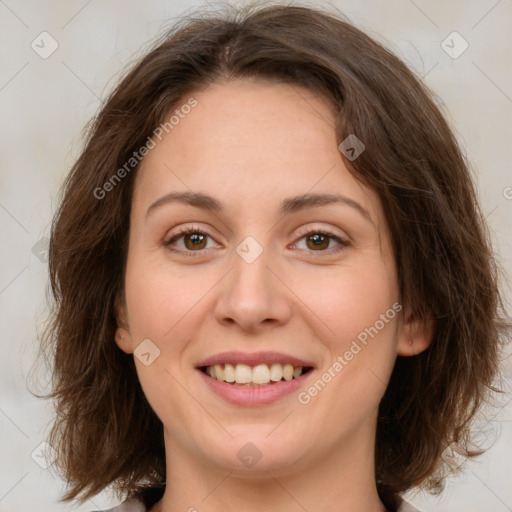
(251, 142)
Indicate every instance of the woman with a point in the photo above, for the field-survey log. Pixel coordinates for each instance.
(274, 286)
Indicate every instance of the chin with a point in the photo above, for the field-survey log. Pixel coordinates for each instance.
(252, 450)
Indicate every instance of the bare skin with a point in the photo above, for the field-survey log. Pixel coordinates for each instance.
(250, 145)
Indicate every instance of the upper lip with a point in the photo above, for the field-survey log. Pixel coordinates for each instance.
(253, 359)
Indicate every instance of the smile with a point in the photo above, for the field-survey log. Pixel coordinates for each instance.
(259, 375)
(254, 379)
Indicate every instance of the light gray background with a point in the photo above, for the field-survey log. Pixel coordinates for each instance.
(45, 103)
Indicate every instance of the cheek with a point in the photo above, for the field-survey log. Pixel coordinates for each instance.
(160, 296)
(350, 300)
(359, 310)
(161, 303)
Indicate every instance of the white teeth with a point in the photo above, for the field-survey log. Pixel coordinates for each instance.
(243, 374)
(261, 374)
(219, 372)
(229, 373)
(276, 372)
(288, 372)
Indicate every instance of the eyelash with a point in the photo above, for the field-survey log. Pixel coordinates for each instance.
(186, 231)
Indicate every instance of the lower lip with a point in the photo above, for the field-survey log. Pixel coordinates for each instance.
(254, 395)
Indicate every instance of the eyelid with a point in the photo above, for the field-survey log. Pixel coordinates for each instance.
(308, 230)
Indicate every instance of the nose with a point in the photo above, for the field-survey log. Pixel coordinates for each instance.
(253, 295)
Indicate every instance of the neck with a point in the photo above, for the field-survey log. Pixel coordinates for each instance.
(341, 480)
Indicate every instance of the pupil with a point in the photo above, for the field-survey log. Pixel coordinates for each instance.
(319, 240)
(195, 239)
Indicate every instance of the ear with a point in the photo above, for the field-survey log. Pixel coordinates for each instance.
(122, 336)
(415, 336)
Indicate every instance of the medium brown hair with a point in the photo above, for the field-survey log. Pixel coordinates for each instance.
(105, 431)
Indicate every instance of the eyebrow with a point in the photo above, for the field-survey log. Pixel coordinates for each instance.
(288, 205)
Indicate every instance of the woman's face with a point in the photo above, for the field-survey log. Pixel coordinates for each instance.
(258, 285)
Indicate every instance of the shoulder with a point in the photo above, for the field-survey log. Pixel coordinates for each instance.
(130, 505)
(407, 507)
(141, 501)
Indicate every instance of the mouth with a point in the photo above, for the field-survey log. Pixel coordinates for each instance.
(255, 376)
(257, 379)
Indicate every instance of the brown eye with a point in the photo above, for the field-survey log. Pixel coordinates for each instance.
(317, 241)
(194, 241)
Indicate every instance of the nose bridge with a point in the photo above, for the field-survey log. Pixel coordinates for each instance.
(251, 270)
(252, 294)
